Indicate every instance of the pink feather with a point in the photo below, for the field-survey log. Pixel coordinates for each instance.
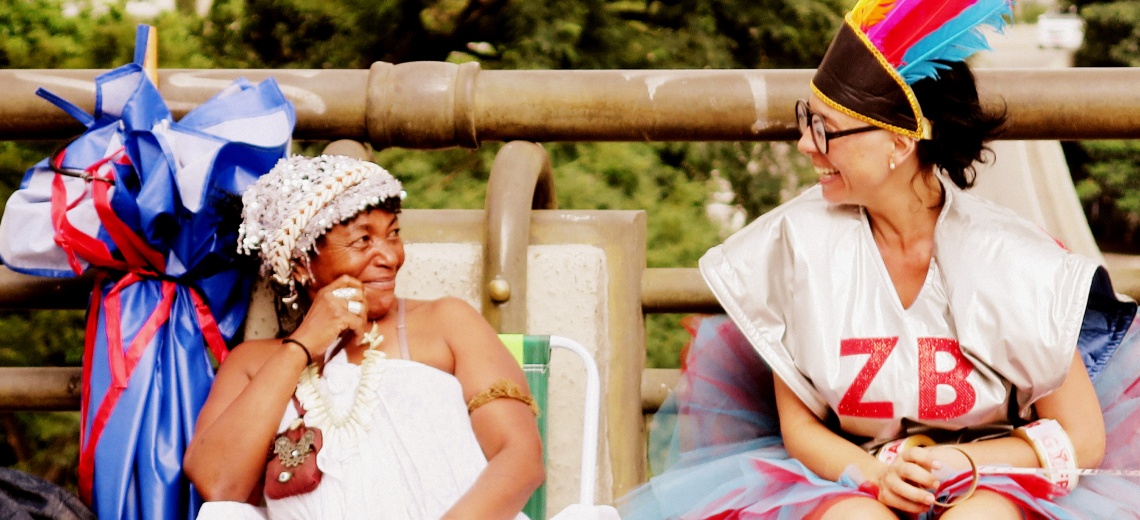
(918, 22)
(900, 10)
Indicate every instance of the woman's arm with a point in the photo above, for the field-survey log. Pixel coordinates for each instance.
(226, 457)
(808, 440)
(903, 485)
(1074, 405)
(506, 428)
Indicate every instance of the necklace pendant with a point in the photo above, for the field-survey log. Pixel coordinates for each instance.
(372, 338)
(293, 454)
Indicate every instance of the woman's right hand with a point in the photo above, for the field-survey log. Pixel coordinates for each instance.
(329, 316)
(907, 482)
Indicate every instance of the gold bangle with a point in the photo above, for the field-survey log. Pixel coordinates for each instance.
(501, 388)
(890, 451)
(973, 485)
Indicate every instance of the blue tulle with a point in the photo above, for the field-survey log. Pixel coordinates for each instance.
(716, 447)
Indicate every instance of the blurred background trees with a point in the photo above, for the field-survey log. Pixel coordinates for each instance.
(679, 184)
(1107, 173)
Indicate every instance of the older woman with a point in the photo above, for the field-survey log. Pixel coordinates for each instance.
(920, 344)
(387, 382)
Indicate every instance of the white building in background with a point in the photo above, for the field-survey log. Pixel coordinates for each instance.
(141, 9)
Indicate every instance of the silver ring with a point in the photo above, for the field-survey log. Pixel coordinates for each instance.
(346, 293)
(355, 307)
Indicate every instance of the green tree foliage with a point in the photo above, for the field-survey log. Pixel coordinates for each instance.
(1112, 35)
(44, 444)
(555, 34)
(1107, 175)
(1108, 172)
(33, 34)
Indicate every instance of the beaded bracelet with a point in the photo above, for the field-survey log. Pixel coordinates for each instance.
(308, 356)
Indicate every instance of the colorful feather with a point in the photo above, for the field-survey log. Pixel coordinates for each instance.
(890, 21)
(870, 12)
(918, 24)
(955, 41)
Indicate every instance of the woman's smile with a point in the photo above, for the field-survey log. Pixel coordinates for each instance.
(826, 174)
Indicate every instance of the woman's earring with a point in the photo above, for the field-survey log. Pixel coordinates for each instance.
(291, 298)
(892, 165)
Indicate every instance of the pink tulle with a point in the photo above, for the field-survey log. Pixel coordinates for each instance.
(717, 451)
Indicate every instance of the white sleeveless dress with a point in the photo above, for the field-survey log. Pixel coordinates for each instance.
(398, 442)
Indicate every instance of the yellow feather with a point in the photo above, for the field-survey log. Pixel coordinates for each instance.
(870, 12)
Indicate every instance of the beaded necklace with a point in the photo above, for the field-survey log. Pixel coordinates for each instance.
(350, 425)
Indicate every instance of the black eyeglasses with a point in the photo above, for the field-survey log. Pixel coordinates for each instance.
(806, 119)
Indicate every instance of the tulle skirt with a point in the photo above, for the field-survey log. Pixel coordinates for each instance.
(716, 450)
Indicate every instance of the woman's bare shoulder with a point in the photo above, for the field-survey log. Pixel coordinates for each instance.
(447, 306)
(249, 355)
(449, 318)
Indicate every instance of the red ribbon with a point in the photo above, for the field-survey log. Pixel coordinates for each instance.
(141, 261)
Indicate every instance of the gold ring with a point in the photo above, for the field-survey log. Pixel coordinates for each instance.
(973, 485)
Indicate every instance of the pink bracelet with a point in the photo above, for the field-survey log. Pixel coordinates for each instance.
(890, 451)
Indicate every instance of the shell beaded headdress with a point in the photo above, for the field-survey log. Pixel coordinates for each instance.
(299, 200)
(885, 46)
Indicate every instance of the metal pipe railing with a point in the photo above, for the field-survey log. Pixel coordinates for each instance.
(47, 389)
(435, 104)
(676, 289)
(521, 180)
(663, 290)
(58, 388)
(26, 292)
(40, 388)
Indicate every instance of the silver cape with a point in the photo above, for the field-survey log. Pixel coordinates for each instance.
(806, 285)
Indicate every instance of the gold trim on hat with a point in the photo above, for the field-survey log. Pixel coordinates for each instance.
(923, 131)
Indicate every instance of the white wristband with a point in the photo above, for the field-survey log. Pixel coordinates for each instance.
(1053, 448)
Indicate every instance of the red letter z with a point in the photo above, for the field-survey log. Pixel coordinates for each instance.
(852, 403)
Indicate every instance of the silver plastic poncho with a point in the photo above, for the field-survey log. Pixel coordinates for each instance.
(997, 318)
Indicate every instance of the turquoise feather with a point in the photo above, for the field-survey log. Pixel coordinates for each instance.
(956, 40)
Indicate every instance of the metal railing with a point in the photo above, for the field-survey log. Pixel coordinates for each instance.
(434, 104)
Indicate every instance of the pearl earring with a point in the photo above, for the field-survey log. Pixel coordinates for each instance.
(892, 165)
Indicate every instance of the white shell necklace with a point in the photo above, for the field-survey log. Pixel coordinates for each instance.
(352, 424)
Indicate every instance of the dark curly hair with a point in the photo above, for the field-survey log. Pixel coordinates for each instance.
(962, 128)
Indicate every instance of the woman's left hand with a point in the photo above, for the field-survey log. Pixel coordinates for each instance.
(950, 460)
(907, 482)
(910, 481)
